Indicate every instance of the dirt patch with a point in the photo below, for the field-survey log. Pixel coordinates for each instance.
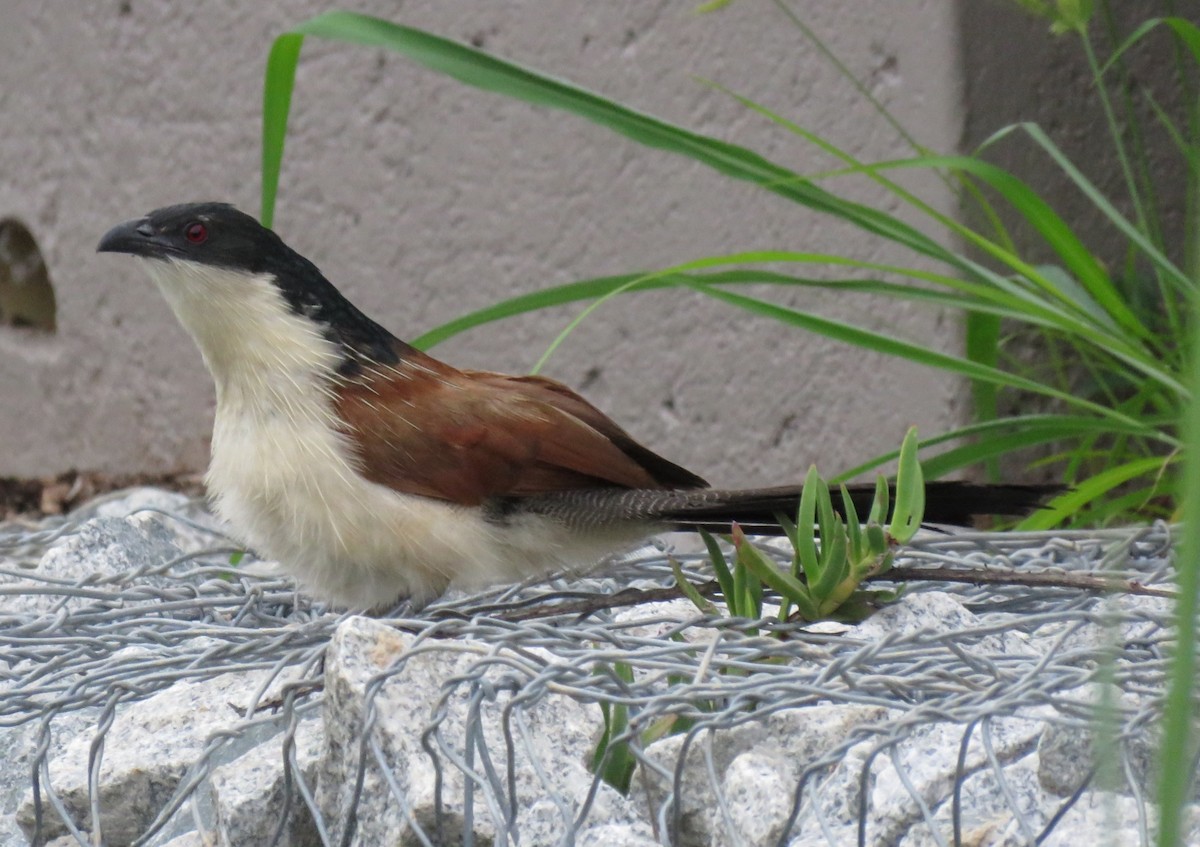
(59, 494)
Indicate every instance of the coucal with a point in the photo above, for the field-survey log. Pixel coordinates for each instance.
(373, 472)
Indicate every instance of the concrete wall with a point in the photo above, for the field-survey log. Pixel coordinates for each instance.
(422, 199)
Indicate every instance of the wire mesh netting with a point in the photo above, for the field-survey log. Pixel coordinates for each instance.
(176, 698)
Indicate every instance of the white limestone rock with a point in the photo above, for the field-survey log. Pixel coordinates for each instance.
(609, 835)
(147, 750)
(191, 525)
(759, 787)
(1069, 754)
(928, 757)
(1101, 817)
(985, 816)
(101, 549)
(18, 751)
(790, 739)
(250, 795)
(417, 700)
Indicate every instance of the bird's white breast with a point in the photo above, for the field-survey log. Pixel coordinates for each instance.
(283, 475)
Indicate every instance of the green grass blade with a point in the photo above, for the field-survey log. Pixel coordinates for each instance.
(994, 447)
(1121, 507)
(1092, 488)
(967, 295)
(1161, 262)
(1035, 211)
(1188, 33)
(1032, 208)
(828, 523)
(1059, 426)
(612, 757)
(983, 346)
(588, 289)
(890, 346)
(864, 90)
(279, 80)
(487, 72)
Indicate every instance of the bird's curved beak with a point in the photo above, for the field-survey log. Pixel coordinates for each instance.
(137, 238)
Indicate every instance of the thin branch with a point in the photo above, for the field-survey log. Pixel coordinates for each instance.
(1083, 582)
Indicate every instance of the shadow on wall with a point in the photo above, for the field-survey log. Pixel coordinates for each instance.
(26, 295)
(1051, 85)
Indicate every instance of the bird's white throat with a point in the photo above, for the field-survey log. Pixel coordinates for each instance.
(249, 337)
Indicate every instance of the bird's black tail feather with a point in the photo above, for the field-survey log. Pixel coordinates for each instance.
(756, 509)
(946, 502)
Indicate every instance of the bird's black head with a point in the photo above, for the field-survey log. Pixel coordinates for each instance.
(209, 233)
(219, 235)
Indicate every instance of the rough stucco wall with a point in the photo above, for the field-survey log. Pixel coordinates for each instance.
(423, 199)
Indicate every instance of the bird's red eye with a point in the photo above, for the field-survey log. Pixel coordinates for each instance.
(196, 232)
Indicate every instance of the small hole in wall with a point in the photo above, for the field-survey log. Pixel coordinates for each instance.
(26, 296)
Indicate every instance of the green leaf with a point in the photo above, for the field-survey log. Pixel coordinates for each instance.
(1161, 262)
(1075, 15)
(877, 540)
(767, 573)
(882, 563)
(1035, 211)
(910, 491)
(1038, 431)
(689, 590)
(806, 522)
(978, 297)
(613, 759)
(828, 523)
(788, 526)
(490, 73)
(835, 568)
(1068, 288)
(853, 526)
(721, 569)
(880, 503)
(661, 728)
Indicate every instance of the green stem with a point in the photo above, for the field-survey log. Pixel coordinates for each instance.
(1114, 130)
(1175, 779)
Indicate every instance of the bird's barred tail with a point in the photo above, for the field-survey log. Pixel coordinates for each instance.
(756, 510)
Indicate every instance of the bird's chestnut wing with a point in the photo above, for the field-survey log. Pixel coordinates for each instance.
(464, 436)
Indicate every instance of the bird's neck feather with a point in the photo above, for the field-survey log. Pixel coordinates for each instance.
(261, 354)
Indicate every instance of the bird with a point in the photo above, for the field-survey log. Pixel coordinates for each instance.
(374, 473)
